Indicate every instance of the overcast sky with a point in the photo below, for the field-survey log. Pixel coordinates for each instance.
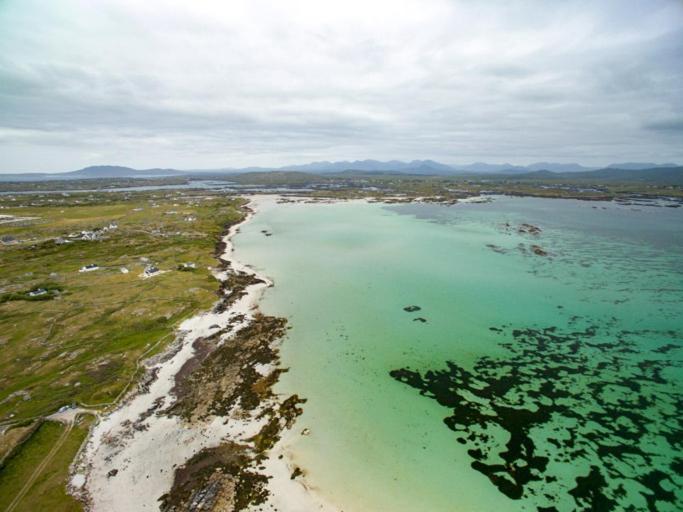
(211, 84)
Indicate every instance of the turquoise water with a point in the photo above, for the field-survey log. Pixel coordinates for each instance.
(535, 382)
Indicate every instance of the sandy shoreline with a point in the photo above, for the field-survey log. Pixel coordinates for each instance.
(130, 457)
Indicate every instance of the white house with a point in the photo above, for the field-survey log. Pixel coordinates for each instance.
(151, 270)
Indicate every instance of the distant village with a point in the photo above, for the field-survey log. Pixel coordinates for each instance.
(97, 234)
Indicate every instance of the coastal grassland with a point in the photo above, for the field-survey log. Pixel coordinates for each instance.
(453, 187)
(80, 342)
(48, 490)
(89, 183)
(604, 185)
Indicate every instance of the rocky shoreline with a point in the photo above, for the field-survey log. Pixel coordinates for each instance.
(198, 431)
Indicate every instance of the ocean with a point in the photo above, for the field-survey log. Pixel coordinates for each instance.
(522, 354)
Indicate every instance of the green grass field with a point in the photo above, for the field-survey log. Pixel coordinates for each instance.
(48, 491)
(80, 342)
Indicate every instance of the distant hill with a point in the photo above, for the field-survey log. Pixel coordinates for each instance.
(289, 178)
(557, 167)
(414, 167)
(98, 171)
(115, 171)
(639, 166)
(655, 176)
(482, 167)
(420, 167)
(432, 167)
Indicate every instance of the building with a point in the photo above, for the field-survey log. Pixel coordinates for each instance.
(151, 270)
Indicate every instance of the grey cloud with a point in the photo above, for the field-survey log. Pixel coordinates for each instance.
(265, 83)
(670, 125)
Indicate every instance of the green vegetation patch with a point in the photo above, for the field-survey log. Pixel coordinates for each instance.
(48, 490)
(69, 334)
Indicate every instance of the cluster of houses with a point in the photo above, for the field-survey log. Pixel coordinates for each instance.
(87, 235)
(150, 269)
(186, 217)
(97, 234)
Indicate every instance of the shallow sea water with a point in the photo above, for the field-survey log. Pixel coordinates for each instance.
(535, 382)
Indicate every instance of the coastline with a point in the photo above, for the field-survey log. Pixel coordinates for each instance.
(139, 453)
(365, 433)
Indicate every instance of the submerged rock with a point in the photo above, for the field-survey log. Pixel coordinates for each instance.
(529, 229)
(496, 248)
(411, 309)
(538, 250)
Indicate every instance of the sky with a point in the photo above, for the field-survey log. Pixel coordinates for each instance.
(231, 83)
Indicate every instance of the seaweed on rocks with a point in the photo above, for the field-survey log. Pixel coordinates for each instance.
(231, 375)
(217, 478)
(234, 287)
(223, 381)
(565, 401)
(224, 376)
(280, 418)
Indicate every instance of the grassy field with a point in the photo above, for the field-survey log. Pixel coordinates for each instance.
(79, 343)
(48, 491)
(356, 184)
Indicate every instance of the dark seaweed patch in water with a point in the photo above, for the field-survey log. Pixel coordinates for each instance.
(585, 418)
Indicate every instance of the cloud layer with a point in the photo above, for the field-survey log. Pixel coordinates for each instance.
(225, 84)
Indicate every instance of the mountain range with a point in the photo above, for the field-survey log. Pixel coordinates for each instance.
(423, 167)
